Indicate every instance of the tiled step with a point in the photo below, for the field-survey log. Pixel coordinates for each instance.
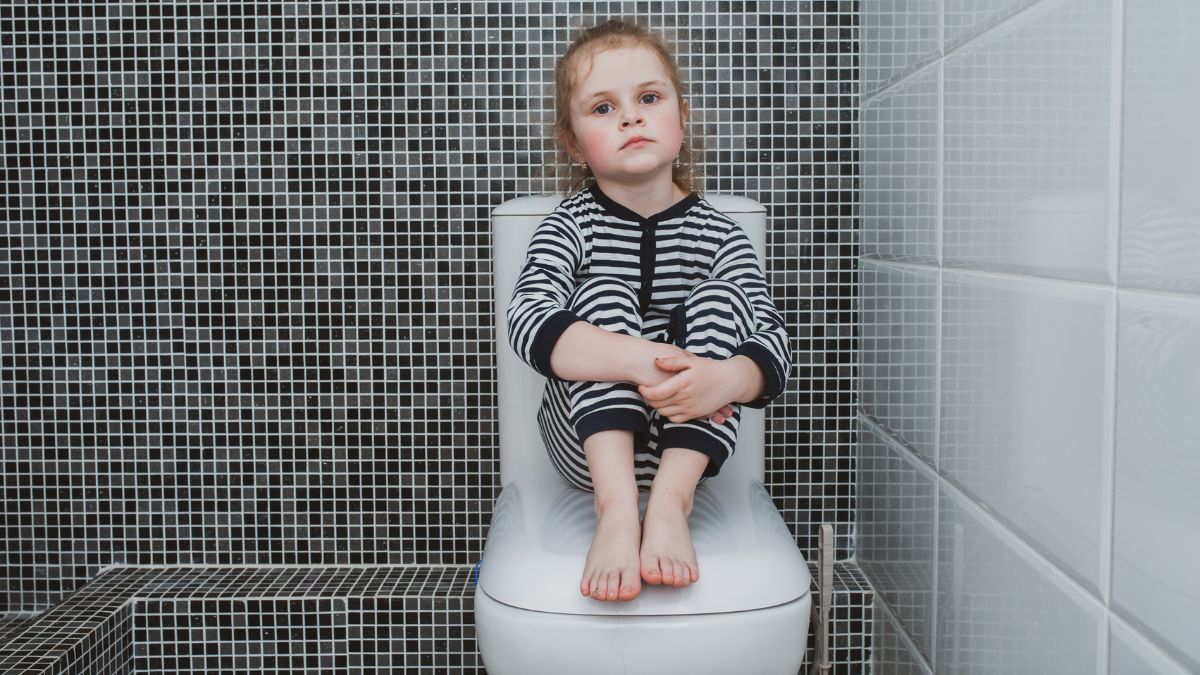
(12, 624)
(333, 620)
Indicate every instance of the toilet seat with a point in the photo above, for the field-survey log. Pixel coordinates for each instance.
(542, 529)
(767, 641)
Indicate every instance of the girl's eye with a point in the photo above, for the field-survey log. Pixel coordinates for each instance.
(605, 105)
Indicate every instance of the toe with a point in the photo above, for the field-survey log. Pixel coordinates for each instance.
(650, 572)
(668, 571)
(614, 585)
(629, 586)
(681, 573)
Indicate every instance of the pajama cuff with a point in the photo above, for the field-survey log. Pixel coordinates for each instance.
(613, 418)
(773, 380)
(700, 441)
(547, 336)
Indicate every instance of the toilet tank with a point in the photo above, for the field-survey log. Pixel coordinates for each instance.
(522, 453)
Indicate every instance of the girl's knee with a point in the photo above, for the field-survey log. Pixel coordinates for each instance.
(607, 302)
(714, 306)
(720, 290)
(605, 287)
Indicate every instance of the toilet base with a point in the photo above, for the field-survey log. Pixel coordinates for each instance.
(766, 641)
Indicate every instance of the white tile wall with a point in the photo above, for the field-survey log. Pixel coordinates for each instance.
(897, 36)
(1160, 205)
(897, 502)
(1026, 145)
(1132, 654)
(963, 19)
(1002, 608)
(1025, 408)
(898, 351)
(1064, 455)
(892, 652)
(1156, 548)
(900, 171)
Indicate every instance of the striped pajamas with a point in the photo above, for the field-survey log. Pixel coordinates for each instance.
(687, 275)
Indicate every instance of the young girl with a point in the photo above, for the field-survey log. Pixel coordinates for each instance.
(646, 310)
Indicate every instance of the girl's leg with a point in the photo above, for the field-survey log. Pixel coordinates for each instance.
(571, 412)
(667, 555)
(611, 569)
(589, 429)
(713, 321)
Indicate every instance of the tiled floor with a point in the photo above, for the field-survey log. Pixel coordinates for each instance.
(351, 620)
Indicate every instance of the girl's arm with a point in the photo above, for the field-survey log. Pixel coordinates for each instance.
(768, 345)
(537, 313)
(758, 369)
(587, 352)
(555, 341)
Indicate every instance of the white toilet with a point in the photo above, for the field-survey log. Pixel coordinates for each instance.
(748, 614)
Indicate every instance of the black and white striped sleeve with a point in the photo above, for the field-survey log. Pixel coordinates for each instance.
(768, 346)
(537, 314)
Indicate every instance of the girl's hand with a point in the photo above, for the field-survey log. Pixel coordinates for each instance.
(641, 363)
(701, 387)
(721, 415)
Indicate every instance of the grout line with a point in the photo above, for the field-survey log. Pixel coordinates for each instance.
(940, 187)
(942, 53)
(919, 462)
(1041, 564)
(1027, 278)
(903, 635)
(899, 83)
(1116, 121)
(1000, 24)
(939, 253)
(937, 462)
(1109, 465)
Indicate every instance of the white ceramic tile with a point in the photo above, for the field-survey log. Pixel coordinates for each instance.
(899, 171)
(964, 19)
(1156, 549)
(897, 503)
(1001, 609)
(1132, 654)
(898, 351)
(896, 37)
(1160, 152)
(1026, 174)
(891, 652)
(1026, 408)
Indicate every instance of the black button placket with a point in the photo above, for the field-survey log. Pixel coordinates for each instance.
(648, 244)
(647, 254)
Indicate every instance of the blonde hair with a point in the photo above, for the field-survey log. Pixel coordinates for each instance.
(615, 34)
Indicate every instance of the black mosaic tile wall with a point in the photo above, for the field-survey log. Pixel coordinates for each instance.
(245, 302)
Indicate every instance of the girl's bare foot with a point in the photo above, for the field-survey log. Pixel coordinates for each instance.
(668, 556)
(611, 569)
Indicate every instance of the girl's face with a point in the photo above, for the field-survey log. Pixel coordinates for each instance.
(626, 94)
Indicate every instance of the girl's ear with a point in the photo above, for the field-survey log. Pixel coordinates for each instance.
(684, 109)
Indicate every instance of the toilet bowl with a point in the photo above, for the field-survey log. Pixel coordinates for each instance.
(747, 614)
